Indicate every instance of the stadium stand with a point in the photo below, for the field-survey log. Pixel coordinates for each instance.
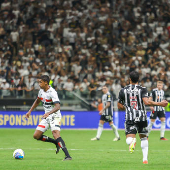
(82, 45)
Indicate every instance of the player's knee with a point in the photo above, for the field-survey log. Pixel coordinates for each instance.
(112, 126)
(144, 142)
(151, 123)
(144, 138)
(129, 140)
(163, 125)
(35, 136)
(56, 134)
(100, 125)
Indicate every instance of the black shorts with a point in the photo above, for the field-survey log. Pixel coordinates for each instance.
(156, 114)
(132, 128)
(106, 118)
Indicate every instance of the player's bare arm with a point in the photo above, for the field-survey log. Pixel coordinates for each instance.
(55, 109)
(107, 105)
(120, 106)
(35, 104)
(151, 107)
(152, 103)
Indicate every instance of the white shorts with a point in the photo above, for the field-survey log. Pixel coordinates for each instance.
(53, 121)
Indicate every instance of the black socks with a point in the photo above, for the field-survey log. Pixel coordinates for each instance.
(58, 142)
(62, 145)
(47, 139)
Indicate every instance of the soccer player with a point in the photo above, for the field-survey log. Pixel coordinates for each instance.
(106, 114)
(157, 95)
(133, 99)
(52, 116)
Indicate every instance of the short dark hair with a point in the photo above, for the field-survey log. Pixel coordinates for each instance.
(45, 78)
(106, 85)
(160, 81)
(134, 76)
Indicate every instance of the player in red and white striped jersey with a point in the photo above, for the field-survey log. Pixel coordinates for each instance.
(52, 116)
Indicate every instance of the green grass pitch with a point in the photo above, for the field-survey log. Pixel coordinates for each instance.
(87, 155)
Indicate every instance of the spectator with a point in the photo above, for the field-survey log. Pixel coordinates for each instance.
(21, 87)
(97, 105)
(15, 39)
(68, 88)
(148, 84)
(92, 88)
(2, 31)
(5, 88)
(51, 37)
(5, 6)
(116, 88)
(84, 88)
(13, 89)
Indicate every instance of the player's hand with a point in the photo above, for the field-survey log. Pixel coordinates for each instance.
(120, 106)
(45, 115)
(164, 103)
(27, 115)
(100, 113)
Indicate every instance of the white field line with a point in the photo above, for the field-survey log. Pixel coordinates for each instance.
(74, 129)
(54, 149)
(116, 150)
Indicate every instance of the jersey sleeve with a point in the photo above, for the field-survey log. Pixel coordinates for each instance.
(153, 95)
(108, 98)
(54, 97)
(144, 92)
(121, 97)
(39, 94)
(164, 96)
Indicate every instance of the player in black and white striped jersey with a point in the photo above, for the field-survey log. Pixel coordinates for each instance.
(157, 95)
(106, 115)
(133, 99)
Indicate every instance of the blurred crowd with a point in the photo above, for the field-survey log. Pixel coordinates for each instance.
(83, 45)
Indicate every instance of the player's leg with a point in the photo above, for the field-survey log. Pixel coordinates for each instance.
(131, 141)
(41, 128)
(162, 119)
(100, 128)
(150, 126)
(114, 128)
(61, 143)
(144, 146)
(153, 116)
(55, 128)
(143, 131)
(130, 131)
(38, 134)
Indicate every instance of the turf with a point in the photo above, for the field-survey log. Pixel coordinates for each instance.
(87, 155)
